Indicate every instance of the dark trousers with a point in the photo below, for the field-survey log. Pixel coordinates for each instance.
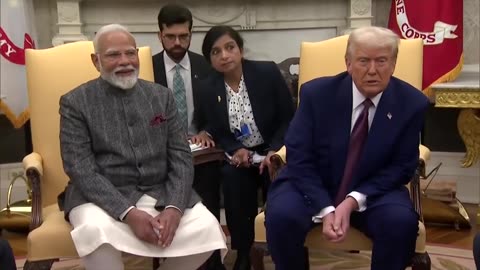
(240, 189)
(392, 227)
(7, 260)
(207, 184)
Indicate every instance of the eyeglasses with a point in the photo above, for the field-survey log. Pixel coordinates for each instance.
(173, 38)
(116, 55)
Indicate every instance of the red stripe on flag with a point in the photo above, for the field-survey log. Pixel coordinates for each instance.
(13, 53)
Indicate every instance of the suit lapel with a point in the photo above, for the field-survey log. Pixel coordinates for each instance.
(194, 65)
(160, 75)
(253, 89)
(221, 99)
(341, 124)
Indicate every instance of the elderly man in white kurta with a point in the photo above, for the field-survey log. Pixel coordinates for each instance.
(130, 167)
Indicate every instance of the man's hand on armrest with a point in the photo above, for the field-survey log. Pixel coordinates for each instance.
(203, 139)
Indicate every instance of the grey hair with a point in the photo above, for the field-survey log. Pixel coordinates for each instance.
(373, 36)
(109, 28)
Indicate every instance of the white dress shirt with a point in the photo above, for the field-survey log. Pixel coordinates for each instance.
(185, 72)
(357, 100)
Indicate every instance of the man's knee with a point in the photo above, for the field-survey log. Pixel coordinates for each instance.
(399, 224)
(282, 217)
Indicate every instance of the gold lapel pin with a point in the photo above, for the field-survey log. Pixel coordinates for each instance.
(389, 115)
(219, 98)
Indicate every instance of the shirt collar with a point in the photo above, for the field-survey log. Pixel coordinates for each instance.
(170, 64)
(358, 98)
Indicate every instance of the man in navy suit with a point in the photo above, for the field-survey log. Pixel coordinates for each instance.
(175, 24)
(351, 148)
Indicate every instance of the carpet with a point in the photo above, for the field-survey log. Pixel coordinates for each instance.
(443, 258)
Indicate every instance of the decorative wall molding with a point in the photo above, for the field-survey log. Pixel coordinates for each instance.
(240, 14)
(68, 12)
(217, 11)
(459, 98)
(471, 25)
(360, 14)
(140, 17)
(69, 24)
(361, 7)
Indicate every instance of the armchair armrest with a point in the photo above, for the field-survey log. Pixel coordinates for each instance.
(278, 160)
(415, 191)
(424, 157)
(32, 164)
(33, 161)
(277, 164)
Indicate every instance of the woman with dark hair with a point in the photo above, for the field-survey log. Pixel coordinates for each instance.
(247, 107)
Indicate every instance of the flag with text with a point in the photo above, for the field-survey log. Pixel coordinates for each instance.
(440, 25)
(16, 32)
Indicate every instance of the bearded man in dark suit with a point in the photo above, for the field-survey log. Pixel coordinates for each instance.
(175, 24)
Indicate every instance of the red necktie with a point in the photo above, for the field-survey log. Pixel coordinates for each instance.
(357, 140)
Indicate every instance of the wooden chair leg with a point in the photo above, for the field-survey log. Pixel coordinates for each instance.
(307, 258)
(421, 261)
(257, 252)
(39, 265)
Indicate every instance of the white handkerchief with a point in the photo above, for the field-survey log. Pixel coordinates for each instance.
(256, 158)
(196, 147)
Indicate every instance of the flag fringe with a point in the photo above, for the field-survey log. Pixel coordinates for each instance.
(17, 122)
(447, 77)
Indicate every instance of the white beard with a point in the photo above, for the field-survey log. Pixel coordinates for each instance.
(125, 83)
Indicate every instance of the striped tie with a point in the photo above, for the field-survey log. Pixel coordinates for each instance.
(180, 98)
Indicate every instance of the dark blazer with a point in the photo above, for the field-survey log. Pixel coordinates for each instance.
(200, 70)
(117, 145)
(270, 99)
(318, 137)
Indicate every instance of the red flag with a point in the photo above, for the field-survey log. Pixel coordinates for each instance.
(16, 32)
(440, 25)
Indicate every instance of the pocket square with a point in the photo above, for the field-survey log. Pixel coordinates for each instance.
(157, 119)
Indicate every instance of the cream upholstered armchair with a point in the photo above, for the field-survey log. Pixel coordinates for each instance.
(50, 74)
(326, 58)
